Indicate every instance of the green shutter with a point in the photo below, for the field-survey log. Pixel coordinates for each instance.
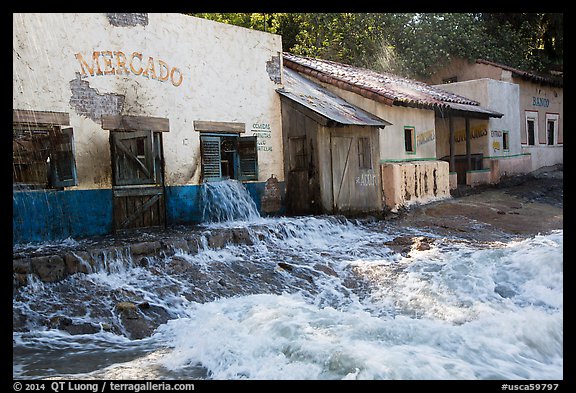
(247, 158)
(210, 151)
(62, 162)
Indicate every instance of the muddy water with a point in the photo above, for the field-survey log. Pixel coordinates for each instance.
(310, 298)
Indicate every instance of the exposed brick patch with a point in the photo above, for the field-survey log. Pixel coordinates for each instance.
(127, 19)
(273, 69)
(86, 100)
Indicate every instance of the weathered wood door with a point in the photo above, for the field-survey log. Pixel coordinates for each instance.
(342, 182)
(137, 179)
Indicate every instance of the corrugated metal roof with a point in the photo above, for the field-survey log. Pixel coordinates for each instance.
(325, 103)
(382, 87)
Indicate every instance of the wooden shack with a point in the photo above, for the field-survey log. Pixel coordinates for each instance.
(331, 151)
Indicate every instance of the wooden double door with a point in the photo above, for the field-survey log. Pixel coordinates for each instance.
(138, 182)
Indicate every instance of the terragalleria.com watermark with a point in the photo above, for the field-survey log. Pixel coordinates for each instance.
(100, 387)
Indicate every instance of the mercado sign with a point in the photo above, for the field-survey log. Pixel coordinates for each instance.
(117, 63)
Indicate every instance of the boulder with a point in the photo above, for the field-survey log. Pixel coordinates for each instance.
(49, 268)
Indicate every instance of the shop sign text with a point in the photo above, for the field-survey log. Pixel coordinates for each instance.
(540, 101)
(263, 133)
(118, 63)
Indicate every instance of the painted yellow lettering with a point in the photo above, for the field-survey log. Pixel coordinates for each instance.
(139, 56)
(108, 67)
(150, 67)
(121, 63)
(84, 65)
(177, 82)
(163, 68)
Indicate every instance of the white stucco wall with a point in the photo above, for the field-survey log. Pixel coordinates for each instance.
(543, 100)
(228, 74)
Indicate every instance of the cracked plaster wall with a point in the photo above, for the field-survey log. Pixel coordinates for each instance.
(229, 74)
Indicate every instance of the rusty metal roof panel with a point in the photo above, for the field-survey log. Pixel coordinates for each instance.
(316, 98)
(385, 87)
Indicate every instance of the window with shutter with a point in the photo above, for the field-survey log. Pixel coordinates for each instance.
(228, 156)
(211, 163)
(62, 163)
(133, 158)
(248, 158)
(43, 156)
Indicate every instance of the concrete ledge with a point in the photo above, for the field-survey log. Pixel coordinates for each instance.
(478, 177)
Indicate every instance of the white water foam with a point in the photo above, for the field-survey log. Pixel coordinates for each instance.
(458, 310)
(227, 200)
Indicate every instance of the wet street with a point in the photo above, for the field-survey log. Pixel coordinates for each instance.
(431, 294)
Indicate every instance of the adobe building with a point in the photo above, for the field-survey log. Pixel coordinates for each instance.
(538, 112)
(412, 169)
(118, 119)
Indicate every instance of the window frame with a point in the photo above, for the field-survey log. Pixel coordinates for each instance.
(245, 156)
(531, 116)
(364, 153)
(554, 118)
(412, 131)
(60, 153)
(505, 140)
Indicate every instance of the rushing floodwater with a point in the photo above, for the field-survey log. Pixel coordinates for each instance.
(315, 298)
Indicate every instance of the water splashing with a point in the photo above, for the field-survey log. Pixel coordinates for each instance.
(227, 200)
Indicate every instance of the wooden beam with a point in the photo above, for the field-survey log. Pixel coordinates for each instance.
(468, 149)
(219, 126)
(452, 165)
(135, 123)
(40, 117)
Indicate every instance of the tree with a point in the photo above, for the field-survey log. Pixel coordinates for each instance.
(413, 44)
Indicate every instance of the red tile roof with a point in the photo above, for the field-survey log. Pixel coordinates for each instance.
(379, 86)
(525, 74)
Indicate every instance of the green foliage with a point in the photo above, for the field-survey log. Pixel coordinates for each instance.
(413, 44)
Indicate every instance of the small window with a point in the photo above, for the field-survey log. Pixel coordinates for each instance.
(550, 132)
(364, 153)
(297, 148)
(43, 156)
(409, 140)
(505, 141)
(551, 129)
(531, 127)
(228, 157)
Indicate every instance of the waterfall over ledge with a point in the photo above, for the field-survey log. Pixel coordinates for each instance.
(227, 200)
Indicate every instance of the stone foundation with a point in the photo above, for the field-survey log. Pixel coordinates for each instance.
(52, 266)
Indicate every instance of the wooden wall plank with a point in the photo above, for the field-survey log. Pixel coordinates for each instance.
(40, 117)
(135, 123)
(219, 126)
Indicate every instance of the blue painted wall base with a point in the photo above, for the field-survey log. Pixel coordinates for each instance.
(46, 215)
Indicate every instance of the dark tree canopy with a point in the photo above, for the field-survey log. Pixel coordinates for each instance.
(414, 44)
